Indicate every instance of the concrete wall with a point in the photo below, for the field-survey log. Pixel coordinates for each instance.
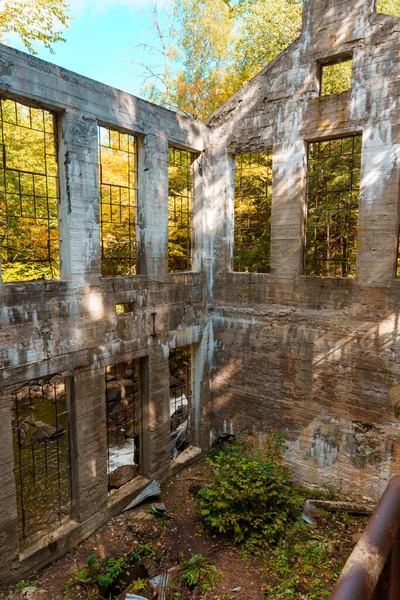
(70, 327)
(318, 358)
(315, 357)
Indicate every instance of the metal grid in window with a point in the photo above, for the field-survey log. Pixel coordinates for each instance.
(180, 207)
(252, 212)
(29, 191)
(181, 399)
(332, 206)
(118, 201)
(123, 422)
(41, 456)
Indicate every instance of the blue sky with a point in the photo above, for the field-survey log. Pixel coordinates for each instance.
(99, 41)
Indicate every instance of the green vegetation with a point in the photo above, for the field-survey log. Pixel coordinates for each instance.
(199, 572)
(118, 190)
(336, 78)
(334, 168)
(25, 583)
(304, 563)
(138, 586)
(251, 499)
(101, 574)
(388, 7)
(28, 194)
(211, 48)
(34, 21)
(143, 551)
(253, 201)
(180, 209)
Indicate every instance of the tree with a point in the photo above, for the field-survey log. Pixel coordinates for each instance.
(34, 20)
(210, 48)
(388, 7)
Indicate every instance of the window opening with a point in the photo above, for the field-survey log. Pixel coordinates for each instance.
(181, 405)
(180, 207)
(41, 456)
(29, 247)
(123, 422)
(336, 77)
(124, 307)
(388, 7)
(118, 201)
(332, 208)
(252, 208)
(398, 257)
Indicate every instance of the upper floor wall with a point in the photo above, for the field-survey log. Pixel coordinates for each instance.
(80, 105)
(42, 322)
(281, 108)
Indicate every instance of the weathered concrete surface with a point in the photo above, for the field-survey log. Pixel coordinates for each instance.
(315, 357)
(70, 327)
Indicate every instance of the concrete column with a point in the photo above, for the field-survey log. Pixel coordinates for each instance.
(288, 210)
(88, 439)
(79, 204)
(156, 426)
(9, 546)
(332, 22)
(153, 205)
(378, 223)
(218, 212)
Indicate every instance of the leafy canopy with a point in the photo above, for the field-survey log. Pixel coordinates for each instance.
(388, 7)
(34, 21)
(206, 50)
(210, 48)
(251, 498)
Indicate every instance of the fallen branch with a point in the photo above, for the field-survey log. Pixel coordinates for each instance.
(355, 508)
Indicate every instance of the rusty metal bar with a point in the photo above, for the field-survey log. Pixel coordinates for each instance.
(373, 570)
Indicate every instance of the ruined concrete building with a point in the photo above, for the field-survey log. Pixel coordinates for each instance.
(165, 281)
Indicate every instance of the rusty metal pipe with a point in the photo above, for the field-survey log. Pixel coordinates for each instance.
(380, 541)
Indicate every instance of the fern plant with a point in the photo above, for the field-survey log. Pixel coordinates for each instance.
(198, 571)
(250, 499)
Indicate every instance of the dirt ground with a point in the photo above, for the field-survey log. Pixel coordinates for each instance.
(174, 538)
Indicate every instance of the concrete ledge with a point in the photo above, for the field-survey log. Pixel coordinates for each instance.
(54, 545)
(119, 499)
(186, 458)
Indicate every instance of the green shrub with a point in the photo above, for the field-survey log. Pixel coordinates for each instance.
(199, 571)
(251, 499)
(24, 583)
(143, 551)
(100, 574)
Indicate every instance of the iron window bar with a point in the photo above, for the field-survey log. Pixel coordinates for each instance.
(252, 212)
(41, 456)
(123, 416)
(333, 189)
(118, 156)
(180, 209)
(29, 193)
(181, 399)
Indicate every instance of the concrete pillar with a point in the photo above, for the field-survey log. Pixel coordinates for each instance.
(378, 222)
(9, 545)
(333, 22)
(88, 439)
(79, 191)
(288, 209)
(153, 205)
(156, 426)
